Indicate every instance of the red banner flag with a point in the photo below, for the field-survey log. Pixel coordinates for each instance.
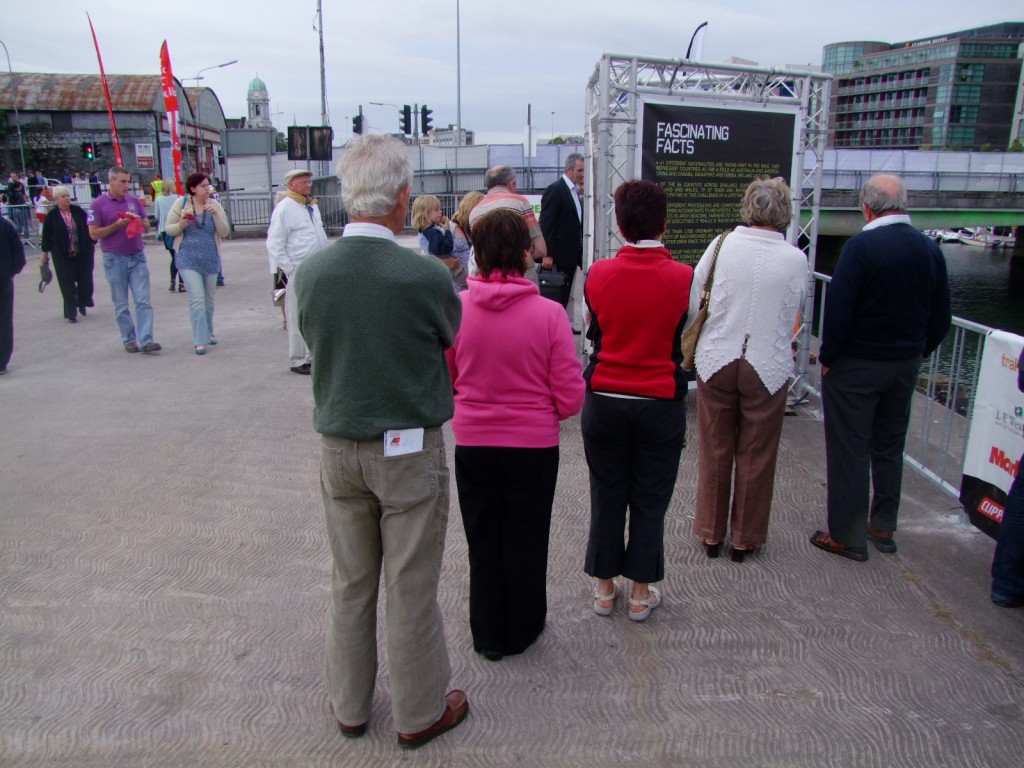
(170, 91)
(106, 95)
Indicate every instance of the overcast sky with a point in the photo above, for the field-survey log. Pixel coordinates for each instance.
(514, 52)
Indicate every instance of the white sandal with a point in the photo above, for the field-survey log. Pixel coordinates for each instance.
(653, 601)
(599, 598)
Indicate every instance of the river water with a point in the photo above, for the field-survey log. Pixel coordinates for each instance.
(986, 285)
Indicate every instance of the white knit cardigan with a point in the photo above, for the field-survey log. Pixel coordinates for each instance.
(758, 292)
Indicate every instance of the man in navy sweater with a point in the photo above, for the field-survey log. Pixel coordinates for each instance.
(888, 305)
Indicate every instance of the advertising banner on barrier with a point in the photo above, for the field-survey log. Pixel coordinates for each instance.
(705, 156)
(996, 440)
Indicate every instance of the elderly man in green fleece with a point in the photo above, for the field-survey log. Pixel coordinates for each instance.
(377, 318)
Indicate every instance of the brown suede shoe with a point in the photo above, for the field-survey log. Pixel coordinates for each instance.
(349, 731)
(822, 540)
(455, 710)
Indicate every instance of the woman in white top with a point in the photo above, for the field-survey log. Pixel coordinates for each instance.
(743, 361)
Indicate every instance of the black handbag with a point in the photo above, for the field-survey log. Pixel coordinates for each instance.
(553, 283)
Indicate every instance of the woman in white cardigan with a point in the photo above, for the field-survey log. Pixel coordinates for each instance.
(743, 361)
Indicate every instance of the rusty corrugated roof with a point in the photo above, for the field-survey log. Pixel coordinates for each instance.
(44, 92)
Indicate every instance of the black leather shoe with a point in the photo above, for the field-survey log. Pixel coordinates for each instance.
(301, 369)
(737, 555)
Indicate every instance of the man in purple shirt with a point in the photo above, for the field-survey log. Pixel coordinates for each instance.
(124, 259)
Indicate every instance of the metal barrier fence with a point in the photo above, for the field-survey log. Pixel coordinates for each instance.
(247, 209)
(23, 217)
(941, 410)
(930, 181)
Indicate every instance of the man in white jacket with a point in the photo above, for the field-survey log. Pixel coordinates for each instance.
(296, 231)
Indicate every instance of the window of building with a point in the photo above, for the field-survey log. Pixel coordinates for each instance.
(988, 51)
(963, 114)
(961, 136)
(970, 73)
(967, 94)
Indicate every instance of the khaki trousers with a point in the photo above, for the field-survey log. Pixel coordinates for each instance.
(387, 513)
(739, 426)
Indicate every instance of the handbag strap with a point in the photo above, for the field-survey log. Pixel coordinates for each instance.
(705, 294)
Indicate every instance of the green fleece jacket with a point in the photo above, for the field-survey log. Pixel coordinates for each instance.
(377, 319)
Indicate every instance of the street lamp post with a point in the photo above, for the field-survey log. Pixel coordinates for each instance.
(199, 101)
(14, 100)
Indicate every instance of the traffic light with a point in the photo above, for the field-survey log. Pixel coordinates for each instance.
(406, 120)
(88, 150)
(357, 123)
(425, 121)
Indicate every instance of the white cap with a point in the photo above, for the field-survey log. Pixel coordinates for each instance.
(295, 173)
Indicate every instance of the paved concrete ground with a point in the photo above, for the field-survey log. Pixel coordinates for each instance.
(164, 574)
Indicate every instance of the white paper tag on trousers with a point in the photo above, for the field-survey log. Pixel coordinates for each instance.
(401, 441)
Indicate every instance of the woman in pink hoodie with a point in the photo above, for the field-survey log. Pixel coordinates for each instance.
(516, 375)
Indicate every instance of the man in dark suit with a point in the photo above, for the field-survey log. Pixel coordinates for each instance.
(561, 222)
(888, 305)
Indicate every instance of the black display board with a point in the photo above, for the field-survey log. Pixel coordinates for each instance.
(704, 158)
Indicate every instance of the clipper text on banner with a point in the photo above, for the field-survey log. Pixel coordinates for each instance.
(996, 439)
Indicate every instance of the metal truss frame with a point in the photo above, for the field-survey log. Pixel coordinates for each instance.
(614, 95)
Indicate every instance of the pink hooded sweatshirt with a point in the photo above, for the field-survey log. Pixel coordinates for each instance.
(514, 367)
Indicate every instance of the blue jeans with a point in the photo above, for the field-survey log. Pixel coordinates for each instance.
(200, 304)
(124, 272)
(1008, 563)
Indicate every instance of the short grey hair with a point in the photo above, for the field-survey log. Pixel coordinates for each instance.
(116, 171)
(884, 193)
(767, 203)
(59, 190)
(571, 159)
(373, 172)
(499, 176)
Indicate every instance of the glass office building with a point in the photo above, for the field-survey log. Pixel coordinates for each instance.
(957, 91)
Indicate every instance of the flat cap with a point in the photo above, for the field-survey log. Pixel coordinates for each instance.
(295, 173)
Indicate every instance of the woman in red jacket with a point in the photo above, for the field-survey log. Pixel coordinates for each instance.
(634, 418)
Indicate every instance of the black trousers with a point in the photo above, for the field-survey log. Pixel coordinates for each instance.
(633, 449)
(174, 267)
(570, 276)
(74, 276)
(866, 405)
(6, 320)
(505, 495)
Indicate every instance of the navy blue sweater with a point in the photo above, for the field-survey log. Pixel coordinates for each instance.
(889, 297)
